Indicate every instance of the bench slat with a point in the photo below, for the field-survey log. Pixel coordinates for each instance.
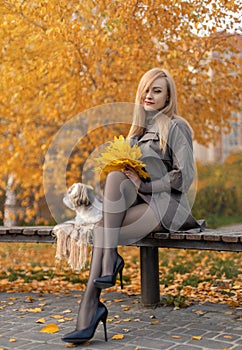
(232, 237)
(160, 235)
(212, 236)
(194, 236)
(3, 230)
(208, 240)
(179, 236)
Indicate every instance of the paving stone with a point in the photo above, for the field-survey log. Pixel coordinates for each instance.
(186, 347)
(173, 330)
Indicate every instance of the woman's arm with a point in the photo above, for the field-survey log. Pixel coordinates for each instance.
(181, 176)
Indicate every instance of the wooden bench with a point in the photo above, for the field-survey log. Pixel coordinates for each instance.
(221, 240)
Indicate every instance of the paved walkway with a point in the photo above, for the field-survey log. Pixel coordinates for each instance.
(208, 326)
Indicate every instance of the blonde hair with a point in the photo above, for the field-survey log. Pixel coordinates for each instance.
(164, 116)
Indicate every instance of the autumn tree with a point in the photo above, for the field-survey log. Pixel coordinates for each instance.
(60, 58)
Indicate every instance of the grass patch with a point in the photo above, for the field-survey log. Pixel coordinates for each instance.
(215, 221)
(225, 268)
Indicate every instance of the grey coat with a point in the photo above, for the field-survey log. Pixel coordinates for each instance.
(171, 175)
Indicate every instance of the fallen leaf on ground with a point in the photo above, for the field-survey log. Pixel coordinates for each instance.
(66, 311)
(29, 299)
(154, 322)
(56, 316)
(196, 337)
(69, 346)
(188, 284)
(199, 312)
(118, 336)
(37, 309)
(40, 320)
(50, 328)
(12, 340)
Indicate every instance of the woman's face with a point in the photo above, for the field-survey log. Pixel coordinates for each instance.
(156, 95)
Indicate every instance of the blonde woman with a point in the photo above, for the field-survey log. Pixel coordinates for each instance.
(132, 208)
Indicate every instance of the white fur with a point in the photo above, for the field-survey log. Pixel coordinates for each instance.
(85, 215)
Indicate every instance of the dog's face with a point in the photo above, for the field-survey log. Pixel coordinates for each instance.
(78, 195)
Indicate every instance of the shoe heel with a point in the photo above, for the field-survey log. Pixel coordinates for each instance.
(104, 320)
(121, 278)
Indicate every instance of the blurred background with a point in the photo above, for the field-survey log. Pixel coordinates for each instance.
(61, 58)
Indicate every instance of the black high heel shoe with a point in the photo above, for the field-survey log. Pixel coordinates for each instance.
(110, 280)
(83, 335)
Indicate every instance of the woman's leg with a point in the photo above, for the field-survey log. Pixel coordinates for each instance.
(126, 225)
(119, 195)
(139, 221)
(91, 296)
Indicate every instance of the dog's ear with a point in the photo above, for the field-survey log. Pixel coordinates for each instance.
(90, 194)
(79, 194)
(82, 195)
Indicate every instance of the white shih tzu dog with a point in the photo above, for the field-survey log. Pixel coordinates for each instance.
(74, 236)
(81, 198)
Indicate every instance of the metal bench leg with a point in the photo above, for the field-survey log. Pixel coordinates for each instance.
(150, 287)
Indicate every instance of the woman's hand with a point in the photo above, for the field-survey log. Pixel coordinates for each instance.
(133, 176)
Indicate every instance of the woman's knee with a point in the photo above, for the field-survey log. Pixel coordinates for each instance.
(98, 234)
(115, 176)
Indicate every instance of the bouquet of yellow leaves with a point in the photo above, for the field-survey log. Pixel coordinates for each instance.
(118, 155)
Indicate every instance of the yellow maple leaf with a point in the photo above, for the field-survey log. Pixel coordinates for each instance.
(12, 340)
(117, 155)
(67, 311)
(50, 328)
(118, 336)
(37, 309)
(196, 337)
(68, 318)
(41, 320)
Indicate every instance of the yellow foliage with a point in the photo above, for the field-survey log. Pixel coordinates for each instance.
(50, 328)
(41, 320)
(118, 336)
(117, 155)
(61, 58)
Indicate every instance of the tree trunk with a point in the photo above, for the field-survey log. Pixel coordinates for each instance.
(10, 205)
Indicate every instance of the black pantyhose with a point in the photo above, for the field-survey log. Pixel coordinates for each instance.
(123, 221)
